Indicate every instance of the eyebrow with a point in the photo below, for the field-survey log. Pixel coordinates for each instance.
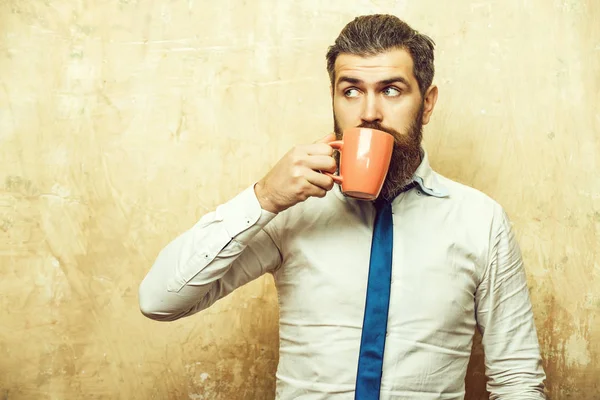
(355, 81)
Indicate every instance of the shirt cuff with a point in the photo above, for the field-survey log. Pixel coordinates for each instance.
(241, 213)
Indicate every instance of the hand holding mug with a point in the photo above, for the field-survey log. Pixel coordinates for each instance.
(296, 176)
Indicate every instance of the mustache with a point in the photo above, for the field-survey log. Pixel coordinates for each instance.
(377, 125)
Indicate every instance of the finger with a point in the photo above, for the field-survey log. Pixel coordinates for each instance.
(318, 149)
(326, 139)
(321, 163)
(321, 181)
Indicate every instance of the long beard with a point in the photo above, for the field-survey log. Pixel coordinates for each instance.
(406, 155)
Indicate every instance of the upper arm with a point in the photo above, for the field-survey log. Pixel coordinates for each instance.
(224, 250)
(260, 256)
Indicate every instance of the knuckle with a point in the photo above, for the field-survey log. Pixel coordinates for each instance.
(297, 174)
(299, 190)
(296, 159)
(296, 152)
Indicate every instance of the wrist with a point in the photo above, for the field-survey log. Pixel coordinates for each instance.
(264, 199)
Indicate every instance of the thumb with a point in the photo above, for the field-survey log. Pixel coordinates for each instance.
(329, 138)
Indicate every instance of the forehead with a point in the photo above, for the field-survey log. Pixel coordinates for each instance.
(396, 62)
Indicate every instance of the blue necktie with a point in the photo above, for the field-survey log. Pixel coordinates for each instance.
(372, 343)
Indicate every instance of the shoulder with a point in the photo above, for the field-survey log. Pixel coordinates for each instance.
(473, 208)
(464, 196)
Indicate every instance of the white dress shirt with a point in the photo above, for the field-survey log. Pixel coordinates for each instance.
(456, 266)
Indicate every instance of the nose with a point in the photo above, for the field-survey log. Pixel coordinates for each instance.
(371, 109)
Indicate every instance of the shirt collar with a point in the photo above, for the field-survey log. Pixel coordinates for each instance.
(427, 179)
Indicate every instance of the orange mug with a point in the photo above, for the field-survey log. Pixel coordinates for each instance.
(365, 156)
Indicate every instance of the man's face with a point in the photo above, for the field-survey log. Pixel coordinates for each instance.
(382, 92)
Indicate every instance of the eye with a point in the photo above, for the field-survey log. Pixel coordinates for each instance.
(351, 92)
(391, 91)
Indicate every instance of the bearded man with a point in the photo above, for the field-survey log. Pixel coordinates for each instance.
(377, 299)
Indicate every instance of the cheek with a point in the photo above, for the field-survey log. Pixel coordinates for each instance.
(401, 115)
(346, 113)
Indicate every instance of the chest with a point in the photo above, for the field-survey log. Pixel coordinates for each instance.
(324, 276)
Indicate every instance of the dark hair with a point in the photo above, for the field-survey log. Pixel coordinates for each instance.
(370, 35)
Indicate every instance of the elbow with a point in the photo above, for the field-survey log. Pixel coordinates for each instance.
(155, 313)
(154, 307)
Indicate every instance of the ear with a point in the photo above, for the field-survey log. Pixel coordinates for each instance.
(429, 101)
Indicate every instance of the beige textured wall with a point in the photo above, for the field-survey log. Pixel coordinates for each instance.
(122, 122)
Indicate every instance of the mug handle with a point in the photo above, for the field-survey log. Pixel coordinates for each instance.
(337, 145)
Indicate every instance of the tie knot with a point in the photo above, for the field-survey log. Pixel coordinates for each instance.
(381, 203)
